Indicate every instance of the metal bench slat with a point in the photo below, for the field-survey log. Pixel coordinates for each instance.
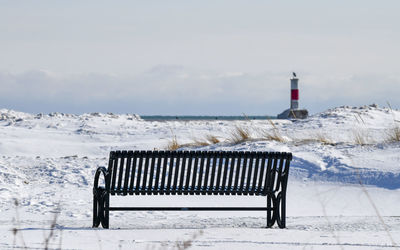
(206, 174)
(189, 173)
(231, 171)
(176, 173)
(139, 172)
(158, 169)
(153, 160)
(225, 175)
(170, 168)
(146, 160)
(270, 175)
(274, 171)
(287, 166)
(121, 169)
(243, 169)
(251, 159)
(263, 172)
(279, 173)
(127, 172)
(133, 172)
(182, 172)
(267, 174)
(218, 181)
(201, 173)
(164, 173)
(243, 174)
(114, 170)
(110, 163)
(213, 169)
(256, 173)
(238, 168)
(195, 174)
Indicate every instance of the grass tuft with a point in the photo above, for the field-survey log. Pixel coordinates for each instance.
(323, 139)
(318, 137)
(360, 137)
(198, 143)
(239, 135)
(212, 139)
(173, 144)
(208, 140)
(273, 135)
(393, 134)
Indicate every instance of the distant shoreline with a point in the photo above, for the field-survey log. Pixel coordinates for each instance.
(202, 118)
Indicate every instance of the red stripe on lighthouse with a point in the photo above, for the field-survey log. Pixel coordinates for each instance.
(295, 94)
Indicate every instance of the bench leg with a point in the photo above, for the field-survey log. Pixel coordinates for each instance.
(101, 204)
(276, 210)
(281, 210)
(96, 207)
(271, 212)
(106, 211)
(96, 220)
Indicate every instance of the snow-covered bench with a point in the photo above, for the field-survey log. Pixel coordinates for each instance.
(193, 173)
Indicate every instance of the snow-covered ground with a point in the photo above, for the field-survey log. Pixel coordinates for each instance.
(343, 190)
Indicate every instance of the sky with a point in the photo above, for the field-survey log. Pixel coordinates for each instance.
(197, 57)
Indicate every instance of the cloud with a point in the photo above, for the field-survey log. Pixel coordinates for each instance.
(351, 90)
(173, 89)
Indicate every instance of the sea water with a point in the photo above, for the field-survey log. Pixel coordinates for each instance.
(205, 117)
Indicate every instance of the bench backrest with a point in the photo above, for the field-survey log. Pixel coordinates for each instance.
(197, 172)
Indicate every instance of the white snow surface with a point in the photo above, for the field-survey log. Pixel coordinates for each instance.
(343, 190)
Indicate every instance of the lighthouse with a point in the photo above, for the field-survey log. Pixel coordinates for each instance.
(294, 112)
(294, 92)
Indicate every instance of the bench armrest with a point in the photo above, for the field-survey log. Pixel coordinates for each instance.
(106, 175)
